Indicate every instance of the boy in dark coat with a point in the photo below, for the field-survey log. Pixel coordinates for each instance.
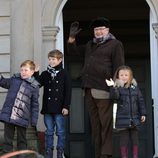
(56, 100)
(21, 105)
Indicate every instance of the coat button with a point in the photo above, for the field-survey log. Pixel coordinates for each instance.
(56, 98)
(57, 90)
(49, 98)
(57, 81)
(49, 90)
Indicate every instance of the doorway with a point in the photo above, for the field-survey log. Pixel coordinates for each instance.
(130, 24)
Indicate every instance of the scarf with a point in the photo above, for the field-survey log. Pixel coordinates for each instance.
(54, 70)
(103, 39)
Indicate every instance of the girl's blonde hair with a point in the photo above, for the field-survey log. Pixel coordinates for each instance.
(124, 67)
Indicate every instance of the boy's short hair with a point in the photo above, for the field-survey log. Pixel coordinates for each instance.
(29, 63)
(56, 54)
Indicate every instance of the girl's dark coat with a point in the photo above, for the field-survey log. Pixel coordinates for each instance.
(57, 92)
(130, 106)
(21, 105)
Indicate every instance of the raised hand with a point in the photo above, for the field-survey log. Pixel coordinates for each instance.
(109, 82)
(74, 29)
(37, 67)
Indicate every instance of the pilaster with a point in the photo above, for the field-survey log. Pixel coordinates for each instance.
(22, 40)
(49, 34)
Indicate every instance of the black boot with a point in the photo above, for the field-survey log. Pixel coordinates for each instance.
(60, 153)
(49, 153)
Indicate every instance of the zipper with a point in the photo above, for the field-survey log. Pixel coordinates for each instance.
(130, 107)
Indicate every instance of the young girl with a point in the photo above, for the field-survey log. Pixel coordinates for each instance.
(131, 110)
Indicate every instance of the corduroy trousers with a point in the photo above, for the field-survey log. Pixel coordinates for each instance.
(100, 112)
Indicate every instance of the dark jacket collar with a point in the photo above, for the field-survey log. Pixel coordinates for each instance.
(31, 80)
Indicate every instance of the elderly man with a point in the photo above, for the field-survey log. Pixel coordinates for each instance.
(103, 55)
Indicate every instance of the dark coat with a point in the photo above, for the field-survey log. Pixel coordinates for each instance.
(101, 62)
(130, 106)
(57, 92)
(21, 105)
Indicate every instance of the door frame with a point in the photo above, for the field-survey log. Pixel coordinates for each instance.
(54, 18)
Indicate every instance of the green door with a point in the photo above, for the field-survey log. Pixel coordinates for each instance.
(78, 140)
